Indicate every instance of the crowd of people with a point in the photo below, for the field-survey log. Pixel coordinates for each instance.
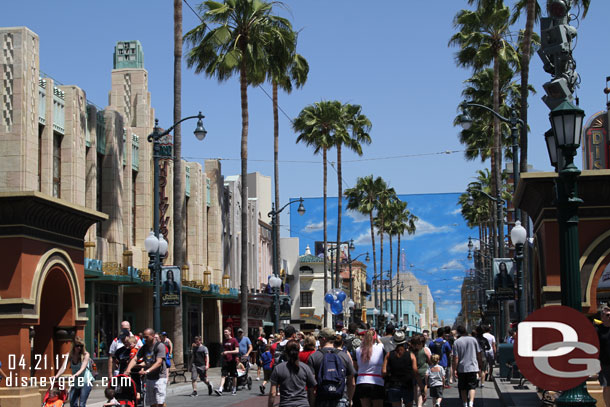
(354, 366)
(357, 366)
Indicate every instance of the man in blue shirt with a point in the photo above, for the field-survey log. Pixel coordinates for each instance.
(441, 347)
(245, 345)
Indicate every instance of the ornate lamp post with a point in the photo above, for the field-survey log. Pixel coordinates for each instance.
(275, 281)
(153, 243)
(518, 234)
(566, 120)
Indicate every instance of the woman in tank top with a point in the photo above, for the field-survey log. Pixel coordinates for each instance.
(400, 372)
(422, 356)
(368, 364)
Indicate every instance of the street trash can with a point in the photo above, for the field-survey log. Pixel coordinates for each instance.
(506, 359)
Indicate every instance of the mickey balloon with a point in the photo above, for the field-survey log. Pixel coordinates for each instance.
(334, 301)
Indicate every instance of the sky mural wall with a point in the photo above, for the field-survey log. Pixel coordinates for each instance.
(436, 253)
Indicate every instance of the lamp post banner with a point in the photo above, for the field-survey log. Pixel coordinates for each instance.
(504, 278)
(170, 286)
(330, 249)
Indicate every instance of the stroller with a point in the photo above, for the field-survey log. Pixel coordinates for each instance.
(126, 391)
(243, 379)
(63, 394)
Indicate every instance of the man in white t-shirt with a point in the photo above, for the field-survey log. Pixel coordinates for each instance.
(490, 354)
(117, 344)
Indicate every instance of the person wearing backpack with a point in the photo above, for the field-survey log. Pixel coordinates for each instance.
(334, 372)
(292, 379)
(441, 347)
(153, 355)
(290, 333)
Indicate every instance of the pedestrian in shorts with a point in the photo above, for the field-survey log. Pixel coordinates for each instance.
(200, 365)
(466, 359)
(436, 380)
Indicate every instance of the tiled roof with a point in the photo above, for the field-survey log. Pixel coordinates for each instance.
(309, 258)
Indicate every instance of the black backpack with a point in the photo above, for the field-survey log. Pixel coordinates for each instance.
(331, 376)
(436, 347)
(278, 356)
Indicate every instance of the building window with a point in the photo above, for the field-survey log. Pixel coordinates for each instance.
(40, 130)
(57, 165)
(306, 299)
(134, 175)
(186, 229)
(98, 191)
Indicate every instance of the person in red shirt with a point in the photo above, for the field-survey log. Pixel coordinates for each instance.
(229, 361)
(309, 347)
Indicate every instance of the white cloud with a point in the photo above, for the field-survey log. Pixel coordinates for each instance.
(458, 278)
(357, 217)
(439, 291)
(456, 211)
(453, 265)
(456, 290)
(427, 228)
(449, 302)
(461, 247)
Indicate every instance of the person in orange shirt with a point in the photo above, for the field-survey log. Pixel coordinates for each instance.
(53, 399)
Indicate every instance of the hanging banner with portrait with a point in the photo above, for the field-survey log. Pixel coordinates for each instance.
(170, 286)
(504, 279)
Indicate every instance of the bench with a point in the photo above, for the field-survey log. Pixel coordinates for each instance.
(177, 370)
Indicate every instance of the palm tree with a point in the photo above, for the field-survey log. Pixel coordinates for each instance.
(232, 40)
(404, 221)
(384, 201)
(362, 198)
(179, 204)
(483, 40)
(285, 68)
(353, 132)
(317, 125)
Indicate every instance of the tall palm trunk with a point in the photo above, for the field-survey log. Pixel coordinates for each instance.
(276, 169)
(340, 208)
(381, 289)
(179, 204)
(325, 179)
(244, 196)
(525, 73)
(375, 276)
(398, 277)
(391, 292)
(497, 176)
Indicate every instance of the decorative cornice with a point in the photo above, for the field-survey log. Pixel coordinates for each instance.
(38, 215)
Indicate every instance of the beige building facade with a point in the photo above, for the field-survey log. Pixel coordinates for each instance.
(56, 142)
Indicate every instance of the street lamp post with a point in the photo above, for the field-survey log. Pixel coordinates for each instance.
(566, 120)
(518, 234)
(276, 265)
(154, 248)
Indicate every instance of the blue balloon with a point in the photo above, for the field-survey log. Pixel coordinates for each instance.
(336, 308)
(329, 298)
(341, 296)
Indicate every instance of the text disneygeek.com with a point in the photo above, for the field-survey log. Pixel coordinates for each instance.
(14, 380)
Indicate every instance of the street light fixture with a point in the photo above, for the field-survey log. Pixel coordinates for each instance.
(566, 120)
(155, 249)
(518, 234)
(275, 281)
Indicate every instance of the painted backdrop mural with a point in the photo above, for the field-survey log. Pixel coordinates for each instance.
(436, 254)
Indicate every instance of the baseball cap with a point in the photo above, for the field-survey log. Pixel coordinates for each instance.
(164, 333)
(327, 333)
(240, 330)
(124, 334)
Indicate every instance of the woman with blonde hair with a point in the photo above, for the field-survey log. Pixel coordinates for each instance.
(369, 364)
(81, 377)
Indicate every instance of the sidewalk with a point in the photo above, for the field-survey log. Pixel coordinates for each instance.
(510, 395)
(97, 399)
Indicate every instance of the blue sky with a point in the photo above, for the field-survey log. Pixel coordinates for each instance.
(436, 253)
(390, 57)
